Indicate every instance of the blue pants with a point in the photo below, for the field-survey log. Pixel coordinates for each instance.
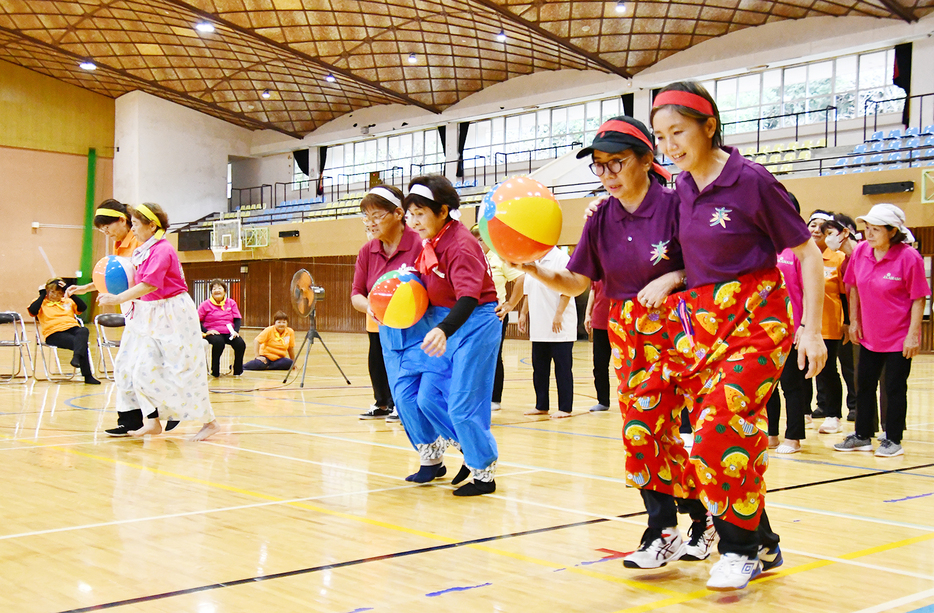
(465, 383)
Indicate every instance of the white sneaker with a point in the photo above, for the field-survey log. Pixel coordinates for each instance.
(659, 547)
(701, 536)
(733, 572)
(688, 438)
(831, 425)
(495, 406)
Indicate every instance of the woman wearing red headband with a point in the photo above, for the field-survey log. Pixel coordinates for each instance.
(631, 244)
(734, 323)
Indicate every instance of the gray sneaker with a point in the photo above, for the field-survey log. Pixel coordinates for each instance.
(889, 449)
(854, 443)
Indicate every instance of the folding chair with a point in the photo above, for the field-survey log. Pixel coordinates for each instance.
(19, 345)
(106, 345)
(41, 348)
(226, 365)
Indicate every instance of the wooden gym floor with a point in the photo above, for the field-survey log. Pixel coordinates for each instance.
(300, 506)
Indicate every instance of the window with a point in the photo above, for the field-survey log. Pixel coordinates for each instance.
(855, 84)
(229, 180)
(392, 156)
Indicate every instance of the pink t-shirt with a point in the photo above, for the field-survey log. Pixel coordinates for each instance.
(790, 267)
(163, 271)
(216, 317)
(886, 289)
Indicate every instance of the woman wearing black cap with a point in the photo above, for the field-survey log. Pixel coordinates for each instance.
(630, 243)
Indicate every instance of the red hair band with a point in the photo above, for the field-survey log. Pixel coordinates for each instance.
(687, 99)
(624, 127)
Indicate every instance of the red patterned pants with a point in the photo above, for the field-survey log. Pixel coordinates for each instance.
(723, 368)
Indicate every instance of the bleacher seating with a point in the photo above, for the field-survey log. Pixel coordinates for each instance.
(928, 130)
(861, 148)
(876, 147)
(875, 136)
(912, 131)
(896, 133)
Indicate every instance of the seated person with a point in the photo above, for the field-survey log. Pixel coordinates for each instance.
(274, 347)
(220, 325)
(58, 324)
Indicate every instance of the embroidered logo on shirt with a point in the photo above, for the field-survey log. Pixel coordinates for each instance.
(890, 277)
(660, 251)
(720, 217)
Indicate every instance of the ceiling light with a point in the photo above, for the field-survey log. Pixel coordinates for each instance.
(266, 94)
(87, 65)
(412, 58)
(620, 7)
(329, 78)
(501, 37)
(204, 27)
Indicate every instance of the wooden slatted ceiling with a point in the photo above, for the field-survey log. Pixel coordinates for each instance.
(289, 46)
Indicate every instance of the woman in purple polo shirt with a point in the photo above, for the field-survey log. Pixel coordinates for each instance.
(630, 242)
(887, 293)
(734, 219)
(394, 246)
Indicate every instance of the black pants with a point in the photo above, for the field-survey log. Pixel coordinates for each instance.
(795, 389)
(217, 342)
(257, 364)
(601, 365)
(75, 339)
(542, 355)
(829, 386)
(663, 509)
(848, 370)
(378, 377)
(897, 369)
(500, 375)
(734, 539)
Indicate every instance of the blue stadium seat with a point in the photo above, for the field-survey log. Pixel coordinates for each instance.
(891, 145)
(929, 153)
(878, 135)
(861, 148)
(898, 156)
(898, 166)
(896, 133)
(911, 143)
(876, 147)
(858, 161)
(855, 170)
(840, 162)
(917, 154)
(928, 142)
(928, 130)
(876, 159)
(842, 171)
(912, 131)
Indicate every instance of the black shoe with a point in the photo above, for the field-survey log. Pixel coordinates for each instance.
(818, 414)
(76, 362)
(90, 380)
(476, 488)
(376, 412)
(851, 416)
(121, 431)
(462, 474)
(171, 425)
(427, 473)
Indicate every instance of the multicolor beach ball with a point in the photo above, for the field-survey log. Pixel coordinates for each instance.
(520, 219)
(398, 299)
(113, 274)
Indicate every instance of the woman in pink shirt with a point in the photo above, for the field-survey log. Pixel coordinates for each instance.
(220, 324)
(160, 368)
(888, 288)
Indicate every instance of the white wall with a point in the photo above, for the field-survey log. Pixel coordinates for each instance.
(173, 156)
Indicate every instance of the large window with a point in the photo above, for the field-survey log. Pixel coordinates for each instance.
(845, 82)
(545, 132)
(352, 162)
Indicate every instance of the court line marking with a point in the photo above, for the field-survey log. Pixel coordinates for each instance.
(784, 572)
(886, 606)
(874, 520)
(886, 569)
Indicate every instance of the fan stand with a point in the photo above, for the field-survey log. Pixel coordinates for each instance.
(309, 340)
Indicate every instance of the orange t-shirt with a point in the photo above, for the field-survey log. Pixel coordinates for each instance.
(832, 319)
(273, 346)
(127, 246)
(57, 316)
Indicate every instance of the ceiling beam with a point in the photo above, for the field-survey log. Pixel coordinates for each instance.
(561, 42)
(152, 85)
(898, 9)
(303, 57)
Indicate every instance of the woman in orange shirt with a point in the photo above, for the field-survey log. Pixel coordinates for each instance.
(274, 347)
(57, 315)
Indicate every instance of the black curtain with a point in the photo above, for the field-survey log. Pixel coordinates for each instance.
(322, 159)
(443, 131)
(462, 129)
(629, 103)
(902, 76)
(301, 158)
(655, 93)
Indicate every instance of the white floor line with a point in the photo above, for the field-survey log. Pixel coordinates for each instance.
(201, 512)
(401, 448)
(886, 569)
(873, 520)
(888, 606)
(622, 520)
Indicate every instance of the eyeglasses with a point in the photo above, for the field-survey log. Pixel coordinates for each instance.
(369, 220)
(614, 166)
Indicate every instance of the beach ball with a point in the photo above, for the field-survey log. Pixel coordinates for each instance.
(398, 299)
(520, 219)
(113, 274)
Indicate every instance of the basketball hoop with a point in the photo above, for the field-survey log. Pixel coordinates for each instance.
(219, 252)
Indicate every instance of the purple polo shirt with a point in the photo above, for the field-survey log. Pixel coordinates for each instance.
(372, 261)
(738, 224)
(790, 267)
(886, 289)
(627, 250)
(465, 270)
